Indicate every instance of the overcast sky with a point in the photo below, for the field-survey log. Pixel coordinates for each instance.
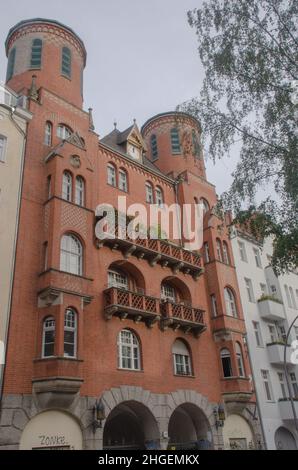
(142, 58)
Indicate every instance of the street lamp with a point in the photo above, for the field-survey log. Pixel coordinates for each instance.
(219, 415)
(99, 414)
(286, 374)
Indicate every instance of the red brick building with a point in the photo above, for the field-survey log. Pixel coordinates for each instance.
(144, 337)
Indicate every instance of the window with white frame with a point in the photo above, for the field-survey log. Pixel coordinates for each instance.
(289, 300)
(263, 288)
(70, 333)
(71, 255)
(267, 385)
(239, 358)
(149, 193)
(117, 279)
(128, 351)
(242, 251)
(181, 358)
(111, 175)
(214, 305)
(226, 363)
(258, 334)
(123, 185)
(273, 337)
(48, 337)
(293, 301)
(48, 134)
(281, 379)
(225, 253)
(3, 142)
(206, 206)
(159, 197)
(168, 292)
(257, 257)
(206, 252)
(249, 289)
(296, 332)
(231, 308)
(218, 249)
(294, 384)
(67, 186)
(63, 132)
(80, 191)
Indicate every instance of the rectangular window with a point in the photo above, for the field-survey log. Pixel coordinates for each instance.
(36, 50)
(263, 288)
(3, 142)
(206, 252)
(282, 384)
(168, 293)
(149, 194)
(111, 175)
(296, 332)
(267, 385)
(294, 384)
(117, 280)
(249, 290)
(242, 251)
(289, 300)
(257, 257)
(182, 366)
(214, 305)
(175, 141)
(272, 334)
(258, 335)
(123, 181)
(66, 62)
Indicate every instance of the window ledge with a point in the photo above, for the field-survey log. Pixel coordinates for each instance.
(122, 369)
(57, 358)
(188, 376)
(65, 76)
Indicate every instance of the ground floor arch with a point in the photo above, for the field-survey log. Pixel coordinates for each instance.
(130, 425)
(284, 439)
(52, 430)
(189, 428)
(237, 433)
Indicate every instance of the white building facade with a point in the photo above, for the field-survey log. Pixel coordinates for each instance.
(270, 305)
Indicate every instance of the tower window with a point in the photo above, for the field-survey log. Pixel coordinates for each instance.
(175, 141)
(154, 149)
(11, 64)
(66, 62)
(36, 51)
(48, 133)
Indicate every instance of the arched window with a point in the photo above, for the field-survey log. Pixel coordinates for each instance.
(128, 351)
(70, 333)
(206, 206)
(67, 186)
(181, 358)
(48, 133)
(154, 148)
(240, 360)
(63, 132)
(80, 191)
(226, 363)
(111, 174)
(11, 64)
(117, 279)
(225, 253)
(149, 193)
(66, 62)
(48, 337)
(230, 303)
(168, 292)
(206, 252)
(71, 255)
(175, 141)
(218, 249)
(123, 183)
(159, 196)
(36, 51)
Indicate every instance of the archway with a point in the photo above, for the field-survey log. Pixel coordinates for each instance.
(284, 439)
(130, 425)
(237, 433)
(189, 428)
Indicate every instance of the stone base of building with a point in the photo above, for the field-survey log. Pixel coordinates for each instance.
(182, 419)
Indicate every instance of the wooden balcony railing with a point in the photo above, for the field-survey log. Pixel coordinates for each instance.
(140, 307)
(157, 251)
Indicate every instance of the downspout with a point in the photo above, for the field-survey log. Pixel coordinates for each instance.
(2, 367)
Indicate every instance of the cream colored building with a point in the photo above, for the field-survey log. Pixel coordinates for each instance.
(13, 124)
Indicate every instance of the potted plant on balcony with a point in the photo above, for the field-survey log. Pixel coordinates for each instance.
(269, 297)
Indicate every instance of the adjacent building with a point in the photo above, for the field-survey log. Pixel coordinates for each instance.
(13, 131)
(270, 305)
(116, 343)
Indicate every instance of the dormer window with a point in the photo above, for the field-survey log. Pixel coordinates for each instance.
(133, 151)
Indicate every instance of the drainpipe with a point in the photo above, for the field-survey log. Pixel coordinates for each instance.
(2, 367)
(256, 392)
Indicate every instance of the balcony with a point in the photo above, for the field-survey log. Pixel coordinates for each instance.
(127, 304)
(222, 323)
(53, 282)
(179, 316)
(236, 389)
(12, 100)
(271, 309)
(157, 251)
(276, 353)
(140, 307)
(285, 409)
